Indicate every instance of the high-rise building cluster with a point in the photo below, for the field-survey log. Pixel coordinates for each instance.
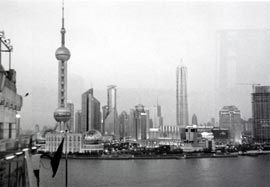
(132, 125)
(142, 123)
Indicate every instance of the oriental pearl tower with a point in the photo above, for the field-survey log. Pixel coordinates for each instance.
(62, 114)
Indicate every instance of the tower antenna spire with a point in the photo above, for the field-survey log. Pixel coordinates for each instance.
(63, 30)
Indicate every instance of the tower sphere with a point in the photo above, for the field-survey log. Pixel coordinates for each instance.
(62, 114)
(62, 53)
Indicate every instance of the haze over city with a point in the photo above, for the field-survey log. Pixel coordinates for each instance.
(136, 46)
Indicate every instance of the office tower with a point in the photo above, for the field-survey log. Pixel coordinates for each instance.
(36, 129)
(261, 113)
(105, 112)
(230, 118)
(156, 120)
(91, 116)
(148, 124)
(78, 121)
(70, 123)
(111, 96)
(111, 124)
(181, 97)
(131, 124)
(194, 120)
(123, 124)
(140, 117)
(213, 122)
(62, 54)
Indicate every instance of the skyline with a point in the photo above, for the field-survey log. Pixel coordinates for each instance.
(134, 45)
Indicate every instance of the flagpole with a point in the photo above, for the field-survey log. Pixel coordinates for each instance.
(65, 123)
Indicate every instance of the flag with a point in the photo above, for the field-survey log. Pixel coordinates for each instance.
(56, 158)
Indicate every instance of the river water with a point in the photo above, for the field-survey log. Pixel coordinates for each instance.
(205, 172)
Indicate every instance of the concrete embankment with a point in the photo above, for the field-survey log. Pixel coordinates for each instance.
(174, 156)
(131, 157)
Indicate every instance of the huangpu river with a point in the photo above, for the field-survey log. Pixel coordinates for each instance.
(206, 172)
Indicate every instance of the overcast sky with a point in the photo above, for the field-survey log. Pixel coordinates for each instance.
(135, 45)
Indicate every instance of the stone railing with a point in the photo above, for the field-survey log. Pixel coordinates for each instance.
(13, 171)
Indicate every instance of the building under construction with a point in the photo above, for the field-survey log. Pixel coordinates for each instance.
(261, 113)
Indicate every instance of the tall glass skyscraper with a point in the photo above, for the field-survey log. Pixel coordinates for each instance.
(111, 93)
(91, 116)
(155, 116)
(70, 123)
(111, 125)
(181, 97)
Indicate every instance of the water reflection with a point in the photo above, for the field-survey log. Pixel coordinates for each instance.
(242, 171)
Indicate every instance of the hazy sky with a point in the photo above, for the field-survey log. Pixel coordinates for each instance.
(135, 45)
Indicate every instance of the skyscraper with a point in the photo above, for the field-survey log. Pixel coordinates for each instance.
(111, 124)
(155, 116)
(230, 118)
(131, 124)
(36, 129)
(78, 121)
(194, 120)
(140, 117)
(70, 123)
(261, 113)
(181, 97)
(91, 116)
(123, 124)
(105, 112)
(111, 96)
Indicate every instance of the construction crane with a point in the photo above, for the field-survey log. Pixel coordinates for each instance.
(252, 84)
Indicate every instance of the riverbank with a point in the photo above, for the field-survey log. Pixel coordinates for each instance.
(152, 157)
(168, 156)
